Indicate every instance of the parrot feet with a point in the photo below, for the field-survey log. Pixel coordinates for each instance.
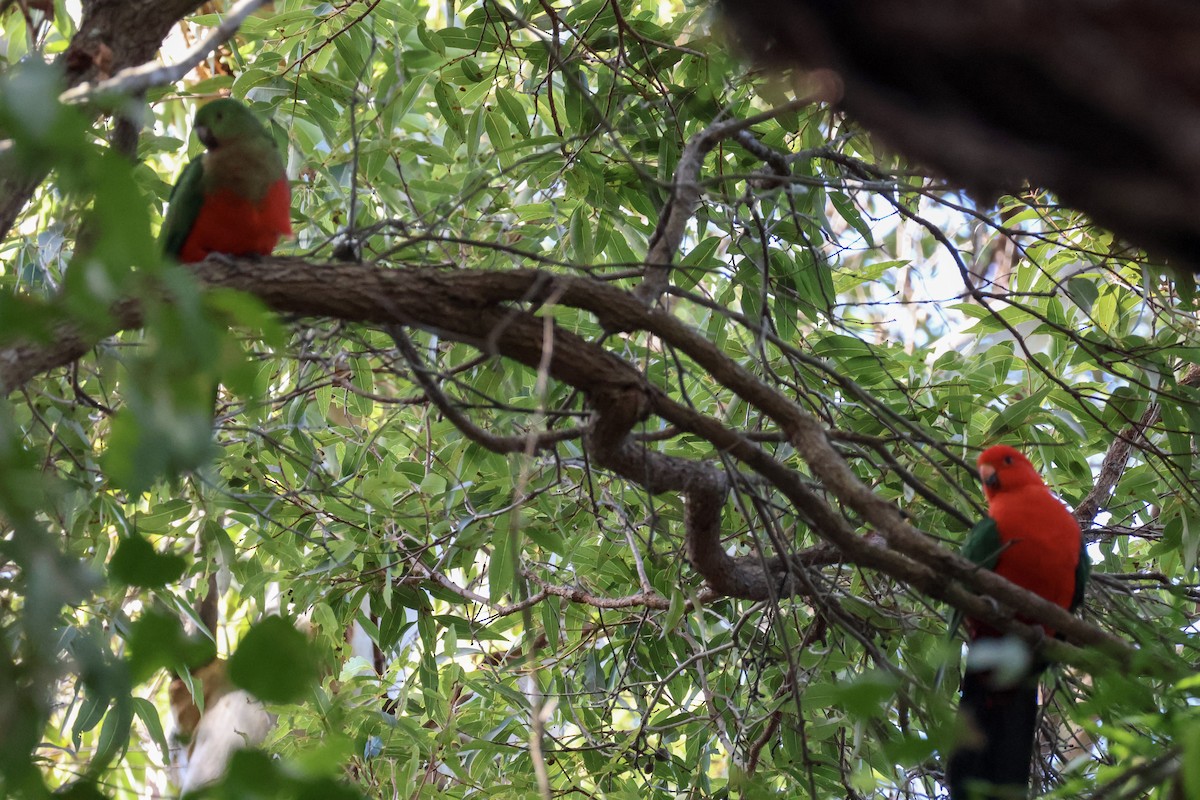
(224, 259)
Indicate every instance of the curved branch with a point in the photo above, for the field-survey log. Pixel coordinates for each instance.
(472, 307)
(704, 489)
(531, 442)
(685, 194)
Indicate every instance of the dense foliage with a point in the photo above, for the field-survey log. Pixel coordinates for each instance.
(544, 633)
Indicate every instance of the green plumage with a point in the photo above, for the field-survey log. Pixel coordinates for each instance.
(1083, 573)
(185, 201)
(982, 547)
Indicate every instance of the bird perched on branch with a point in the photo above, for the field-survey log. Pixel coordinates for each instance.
(233, 199)
(1030, 538)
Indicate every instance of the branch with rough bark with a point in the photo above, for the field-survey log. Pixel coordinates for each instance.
(112, 52)
(137, 79)
(480, 309)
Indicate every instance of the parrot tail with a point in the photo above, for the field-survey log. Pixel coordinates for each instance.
(996, 736)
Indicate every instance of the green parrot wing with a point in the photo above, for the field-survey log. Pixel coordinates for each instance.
(187, 196)
(982, 546)
(1083, 571)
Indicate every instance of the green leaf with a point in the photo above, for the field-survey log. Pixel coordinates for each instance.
(501, 136)
(845, 207)
(81, 790)
(581, 236)
(448, 105)
(1190, 757)
(136, 564)
(90, 713)
(1017, 415)
(274, 662)
(502, 568)
(868, 695)
(512, 108)
(431, 39)
(1083, 293)
(254, 774)
(157, 641)
(148, 714)
(114, 733)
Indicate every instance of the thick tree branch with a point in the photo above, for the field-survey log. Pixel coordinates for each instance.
(476, 308)
(21, 361)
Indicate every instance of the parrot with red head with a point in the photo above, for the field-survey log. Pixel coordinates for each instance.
(233, 199)
(1030, 538)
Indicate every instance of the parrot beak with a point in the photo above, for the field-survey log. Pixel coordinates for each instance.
(987, 474)
(205, 135)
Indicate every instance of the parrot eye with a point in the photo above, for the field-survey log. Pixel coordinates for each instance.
(1008, 459)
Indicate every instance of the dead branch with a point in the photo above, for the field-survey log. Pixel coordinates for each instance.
(137, 79)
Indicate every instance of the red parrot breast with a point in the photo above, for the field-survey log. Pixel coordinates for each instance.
(1040, 538)
(235, 225)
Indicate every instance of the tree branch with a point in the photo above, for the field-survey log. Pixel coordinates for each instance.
(133, 80)
(685, 194)
(1113, 465)
(531, 442)
(474, 307)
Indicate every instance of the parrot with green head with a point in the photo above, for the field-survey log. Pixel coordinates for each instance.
(233, 199)
(1030, 538)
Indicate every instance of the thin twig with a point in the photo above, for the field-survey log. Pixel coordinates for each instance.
(1113, 465)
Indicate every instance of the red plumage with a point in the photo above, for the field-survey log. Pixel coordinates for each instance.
(1034, 542)
(1039, 536)
(235, 225)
